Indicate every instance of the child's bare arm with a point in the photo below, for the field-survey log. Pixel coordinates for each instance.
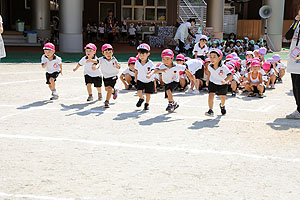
(135, 75)
(117, 65)
(75, 69)
(190, 75)
(44, 65)
(61, 69)
(208, 76)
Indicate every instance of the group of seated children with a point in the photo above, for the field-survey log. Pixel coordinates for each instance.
(211, 74)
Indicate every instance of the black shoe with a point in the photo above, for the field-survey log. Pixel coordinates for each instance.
(279, 80)
(106, 104)
(175, 105)
(209, 113)
(223, 110)
(169, 107)
(251, 94)
(139, 103)
(146, 106)
(129, 87)
(233, 94)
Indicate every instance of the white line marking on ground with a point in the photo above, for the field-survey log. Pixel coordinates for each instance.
(148, 147)
(268, 108)
(35, 80)
(29, 196)
(32, 72)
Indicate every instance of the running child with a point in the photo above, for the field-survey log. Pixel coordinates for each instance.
(128, 75)
(109, 66)
(92, 74)
(170, 76)
(53, 65)
(143, 67)
(218, 76)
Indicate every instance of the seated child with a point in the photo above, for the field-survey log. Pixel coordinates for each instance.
(128, 75)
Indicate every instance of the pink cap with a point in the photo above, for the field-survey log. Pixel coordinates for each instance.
(255, 63)
(180, 57)
(231, 68)
(229, 57)
(262, 51)
(217, 51)
(167, 53)
(144, 46)
(256, 59)
(131, 60)
(203, 37)
(207, 60)
(49, 46)
(276, 57)
(106, 46)
(266, 66)
(91, 46)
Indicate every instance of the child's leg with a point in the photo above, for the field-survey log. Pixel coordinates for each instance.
(109, 91)
(155, 85)
(260, 88)
(128, 79)
(182, 82)
(99, 90)
(52, 84)
(160, 80)
(249, 88)
(223, 99)
(200, 83)
(148, 98)
(211, 100)
(89, 88)
(281, 73)
(140, 94)
(273, 79)
(233, 86)
(268, 83)
(170, 96)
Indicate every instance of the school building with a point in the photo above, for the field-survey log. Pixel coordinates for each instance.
(73, 16)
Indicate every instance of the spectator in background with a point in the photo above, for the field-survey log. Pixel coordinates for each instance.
(110, 19)
(182, 33)
(2, 48)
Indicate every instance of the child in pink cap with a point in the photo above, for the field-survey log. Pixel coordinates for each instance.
(144, 66)
(218, 77)
(53, 65)
(170, 76)
(128, 75)
(183, 81)
(279, 68)
(92, 74)
(254, 83)
(109, 67)
(270, 75)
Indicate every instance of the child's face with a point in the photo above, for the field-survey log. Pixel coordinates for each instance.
(180, 62)
(167, 61)
(231, 44)
(255, 68)
(249, 57)
(90, 52)
(131, 66)
(143, 55)
(214, 58)
(108, 53)
(49, 53)
(202, 42)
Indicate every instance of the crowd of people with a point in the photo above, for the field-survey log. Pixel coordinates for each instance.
(206, 72)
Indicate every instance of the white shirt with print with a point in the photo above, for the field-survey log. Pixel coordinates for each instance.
(108, 67)
(200, 51)
(171, 74)
(194, 65)
(52, 65)
(88, 67)
(128, 71)
(219, 74)
(144, 70)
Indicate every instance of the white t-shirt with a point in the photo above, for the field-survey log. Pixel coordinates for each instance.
(52, 65)
(250, 76)
(171, 74)
(108, 67)
(88, 67)
(131, 31)
(219, 74)
(139, 28)
(200, 51)
(1, 20)
(279, 66)
(143, 70)
(128, 71)
(194, 65)
(101, 29)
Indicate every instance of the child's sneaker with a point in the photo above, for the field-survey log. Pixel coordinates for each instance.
(140, 102)
(175, 105)
(90, 98)
(115, 93)
(233, 94)
(146, 106)
(196, 92)
(272, 86)
(106, 104)
(260, 95)
(294, 115)
(54, 97)
(251, 94)
(99, 96)
(210, 113)
(279, 80)
(223, 110)
(190, 91)
(169, 107)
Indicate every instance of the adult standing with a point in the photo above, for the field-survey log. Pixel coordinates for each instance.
(293, 65)
(110, 19)
(2, 48)
(182, 33)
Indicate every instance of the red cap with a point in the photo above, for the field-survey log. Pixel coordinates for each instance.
(266, 66)
(131, 60)
(106, 46)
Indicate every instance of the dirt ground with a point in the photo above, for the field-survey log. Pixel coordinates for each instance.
(71, 149)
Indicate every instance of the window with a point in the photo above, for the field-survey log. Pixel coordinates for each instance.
(144, 10)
